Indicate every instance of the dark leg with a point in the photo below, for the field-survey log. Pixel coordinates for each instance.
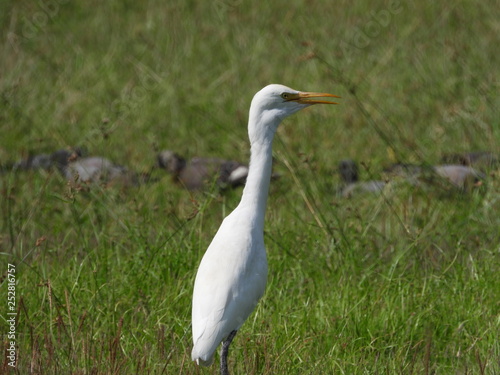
(224, 352)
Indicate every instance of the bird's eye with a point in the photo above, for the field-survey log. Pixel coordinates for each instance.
(285, 95)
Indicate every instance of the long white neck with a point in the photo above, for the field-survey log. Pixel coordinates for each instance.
(256, 189)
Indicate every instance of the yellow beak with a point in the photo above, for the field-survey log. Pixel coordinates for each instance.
(306, 98)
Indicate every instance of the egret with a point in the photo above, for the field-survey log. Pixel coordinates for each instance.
(195, 173)
(232, 275)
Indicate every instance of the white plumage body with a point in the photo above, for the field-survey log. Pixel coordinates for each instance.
(223, 304)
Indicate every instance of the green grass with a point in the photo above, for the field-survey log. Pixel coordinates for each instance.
(403, 283)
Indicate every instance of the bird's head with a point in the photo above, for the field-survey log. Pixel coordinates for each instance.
(171, 161)
(61, 158)
(275, 102)
(348, 171)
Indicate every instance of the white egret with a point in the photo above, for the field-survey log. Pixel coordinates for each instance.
(232, 275)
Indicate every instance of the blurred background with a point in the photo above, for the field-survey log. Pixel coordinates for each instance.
(126, 78)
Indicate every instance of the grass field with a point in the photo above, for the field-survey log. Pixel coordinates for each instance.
(406, 282)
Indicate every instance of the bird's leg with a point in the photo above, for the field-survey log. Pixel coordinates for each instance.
(224, 352)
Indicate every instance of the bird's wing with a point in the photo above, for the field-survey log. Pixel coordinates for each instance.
(196, 173)
(458, 174)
